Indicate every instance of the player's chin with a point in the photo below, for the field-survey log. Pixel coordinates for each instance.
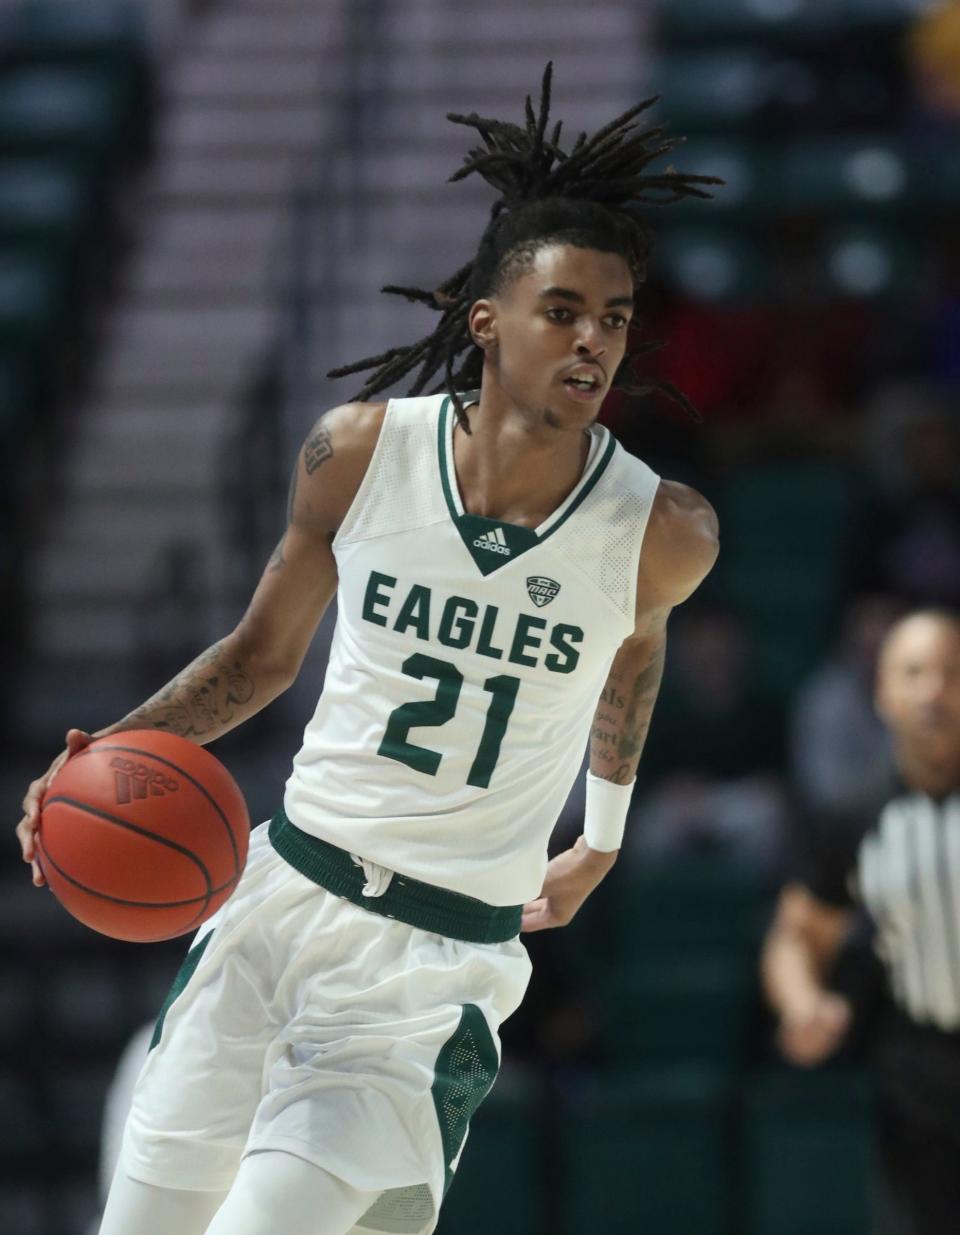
(565, 410)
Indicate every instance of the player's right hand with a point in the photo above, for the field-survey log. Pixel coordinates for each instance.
(77, 740)
(811, 1033)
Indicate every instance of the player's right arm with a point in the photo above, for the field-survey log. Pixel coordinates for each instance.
(801, 945)
(262, 655)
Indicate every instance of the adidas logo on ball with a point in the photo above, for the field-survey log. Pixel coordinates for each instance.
(136, 780)
(494, 541)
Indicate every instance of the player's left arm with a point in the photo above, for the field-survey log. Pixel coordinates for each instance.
(679, 550)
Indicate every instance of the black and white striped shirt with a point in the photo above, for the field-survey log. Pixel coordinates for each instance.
(901, 864)
(908, 879)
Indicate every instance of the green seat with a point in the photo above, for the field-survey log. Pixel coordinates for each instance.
(713, 264)
(935, 174)
(866, 261)
(739, 164)
(31, 301)
(104, 34)
(842, 173)
(706, 21)
(44, 204)
(676, 1009)
(496, 1187)
(688, 905)
(647, 1152)
(708, 90)
(806, 1153)
(70, 113)
(790, 528)
(17, 402)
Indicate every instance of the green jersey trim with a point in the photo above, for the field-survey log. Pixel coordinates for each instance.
(407, 900)
(479, 534)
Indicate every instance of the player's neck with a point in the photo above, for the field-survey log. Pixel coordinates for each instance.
(510, 467)
(936, 774)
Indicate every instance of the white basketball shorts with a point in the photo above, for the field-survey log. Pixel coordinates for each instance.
(305, 1023)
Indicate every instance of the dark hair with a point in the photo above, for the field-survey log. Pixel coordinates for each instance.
(587, 197)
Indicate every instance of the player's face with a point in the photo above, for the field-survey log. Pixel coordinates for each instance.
(918, 682)
(561, 332)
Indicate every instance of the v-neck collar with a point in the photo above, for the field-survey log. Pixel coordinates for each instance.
(493, 543)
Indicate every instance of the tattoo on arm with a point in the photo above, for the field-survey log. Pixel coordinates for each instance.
(201, 699)
(622, 718)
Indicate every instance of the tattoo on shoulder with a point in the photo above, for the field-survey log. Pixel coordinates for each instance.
(318, 448)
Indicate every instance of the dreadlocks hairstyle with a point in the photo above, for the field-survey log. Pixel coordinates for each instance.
(587, 197)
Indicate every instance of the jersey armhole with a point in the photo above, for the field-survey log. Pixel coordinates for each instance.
(635, 571)
(359, 498)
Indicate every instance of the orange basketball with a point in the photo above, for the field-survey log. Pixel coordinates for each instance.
(143, 835)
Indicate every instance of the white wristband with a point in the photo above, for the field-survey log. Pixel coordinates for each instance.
(605, 816)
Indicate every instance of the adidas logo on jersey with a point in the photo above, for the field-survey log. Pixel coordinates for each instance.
(494, 541)
(135, 780)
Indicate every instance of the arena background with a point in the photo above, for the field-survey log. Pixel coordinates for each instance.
(198, 204)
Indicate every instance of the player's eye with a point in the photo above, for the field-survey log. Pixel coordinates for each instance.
(558, 314)
(616, 320)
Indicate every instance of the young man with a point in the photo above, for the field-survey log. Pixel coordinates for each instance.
(504, 573)
(902, 867)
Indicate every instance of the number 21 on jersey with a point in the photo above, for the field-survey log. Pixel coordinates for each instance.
(431, 713)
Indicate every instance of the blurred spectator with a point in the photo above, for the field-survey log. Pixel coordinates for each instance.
(839, 748)
(914, 549)
(710, 776)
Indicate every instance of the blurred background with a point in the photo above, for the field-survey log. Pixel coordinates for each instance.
(198, 204)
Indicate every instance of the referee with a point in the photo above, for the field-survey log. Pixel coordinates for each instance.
(900, 867)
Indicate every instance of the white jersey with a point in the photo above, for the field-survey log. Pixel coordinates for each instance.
(468, 659)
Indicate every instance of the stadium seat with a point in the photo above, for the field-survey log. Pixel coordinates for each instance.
(691, 905)
(647, 1152)
(31, 301)
(22, 1209)
(17, 993)
(740, 165)
(108, 35)
(713, 264)
(709, 90)
(44, 205)
(71, 113)
(21, 1119)
(806, 1153)
(706, 21)
(866, 261)
(842, 173)
(84, 1004)
(75, 1098)
(789, 530)
(504, 1145)
(674, 1009)
(935, 173)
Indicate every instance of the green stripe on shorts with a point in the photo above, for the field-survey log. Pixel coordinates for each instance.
(465, 1071)
(183, 976)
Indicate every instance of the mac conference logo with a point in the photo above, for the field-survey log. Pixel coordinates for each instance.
(542, 590)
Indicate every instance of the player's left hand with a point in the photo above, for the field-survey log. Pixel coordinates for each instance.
(570, 878)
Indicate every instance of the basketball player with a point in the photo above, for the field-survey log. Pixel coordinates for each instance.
(504, 573)
(902, 866)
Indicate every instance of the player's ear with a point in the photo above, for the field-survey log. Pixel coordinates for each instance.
(482, 321)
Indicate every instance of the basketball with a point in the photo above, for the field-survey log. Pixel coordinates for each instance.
(143, 835)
